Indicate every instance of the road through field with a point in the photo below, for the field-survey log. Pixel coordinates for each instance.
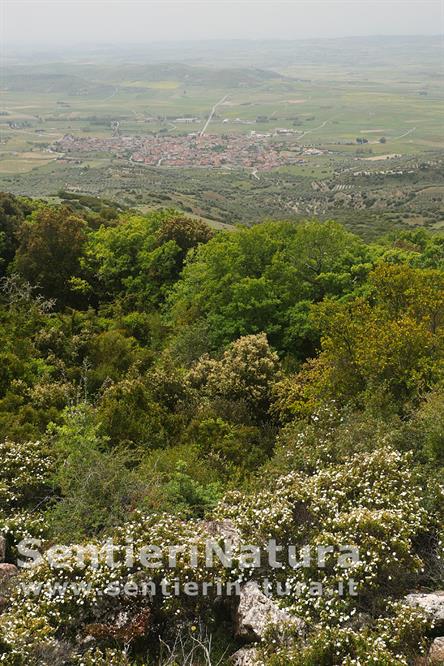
(113, 94)
(212, 112)
(403, 135)
(312, 130)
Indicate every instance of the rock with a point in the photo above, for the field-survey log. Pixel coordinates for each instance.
(52, 652)
(86, 643)
(245, 657)
(7, 571)
(123, 627)
(256, 612)
(2, 548)
(421, 661)
(436, 653)
(359, 621)
(432, 604)
(225, 530)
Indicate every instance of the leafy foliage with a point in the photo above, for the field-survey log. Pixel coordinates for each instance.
(158, 378)
(49, 252)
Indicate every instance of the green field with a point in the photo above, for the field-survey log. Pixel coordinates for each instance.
(328, 93)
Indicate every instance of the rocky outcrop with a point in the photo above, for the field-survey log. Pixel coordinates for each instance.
(256, 612)
(432, 604)
(436, 653)
(245, 657)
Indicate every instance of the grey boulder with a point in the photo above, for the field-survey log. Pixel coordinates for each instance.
(431, 603)
(256, 612)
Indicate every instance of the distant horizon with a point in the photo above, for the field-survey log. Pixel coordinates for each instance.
(221, 41)
(251, 39)
(44, 24)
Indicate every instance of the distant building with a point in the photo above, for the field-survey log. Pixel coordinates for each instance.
(187, 120)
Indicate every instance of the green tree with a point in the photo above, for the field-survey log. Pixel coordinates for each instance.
(97, 488)
(51, 245)
(12, 214)
(139, 259)
(387, 348)
(254, 280)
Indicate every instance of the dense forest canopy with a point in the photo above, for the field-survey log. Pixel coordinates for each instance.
(157, 374)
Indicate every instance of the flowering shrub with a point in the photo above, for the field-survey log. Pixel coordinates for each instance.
(25, 469)
(71, 599)
(20, 525)
(329, 436)
(370, 502)
(246, 372)
(391, 641)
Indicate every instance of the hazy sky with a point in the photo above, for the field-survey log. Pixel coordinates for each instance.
(57, 22)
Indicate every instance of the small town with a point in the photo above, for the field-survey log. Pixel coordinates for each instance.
(254, 150)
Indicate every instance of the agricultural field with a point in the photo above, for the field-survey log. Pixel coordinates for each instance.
(360, 139)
